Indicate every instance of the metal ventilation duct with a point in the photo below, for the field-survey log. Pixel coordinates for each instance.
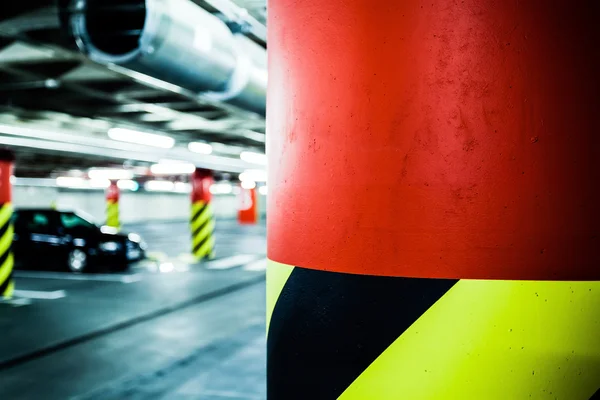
(175, 41)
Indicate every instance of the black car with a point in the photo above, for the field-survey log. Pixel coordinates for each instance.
(48, 237)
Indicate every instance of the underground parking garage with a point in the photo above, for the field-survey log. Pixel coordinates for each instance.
(428, 183)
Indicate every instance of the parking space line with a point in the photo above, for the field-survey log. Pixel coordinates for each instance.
(40, 295)
(259, 265)
(20, 302)
(230, 262)
(79, 277)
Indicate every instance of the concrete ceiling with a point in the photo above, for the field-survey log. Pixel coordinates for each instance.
(46, 85)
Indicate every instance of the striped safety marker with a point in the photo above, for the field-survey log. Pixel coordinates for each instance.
(112, 206)
(203, 226)
(433, 227)
(6, 256)
(7, 285)
(202, 221)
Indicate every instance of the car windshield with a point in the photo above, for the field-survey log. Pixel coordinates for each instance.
(72, 220)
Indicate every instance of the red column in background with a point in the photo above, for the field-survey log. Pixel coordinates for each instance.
(6, 168)
(202, 222)
(248, 203)
(6, 229)
(112, 205)
(202, 179)
(113, 192)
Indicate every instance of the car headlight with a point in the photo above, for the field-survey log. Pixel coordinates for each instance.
(109, 246)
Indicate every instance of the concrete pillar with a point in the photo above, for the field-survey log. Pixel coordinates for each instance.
(248, 206)
(112, 206)
(433, 220)
(202, 221)
(6, 229)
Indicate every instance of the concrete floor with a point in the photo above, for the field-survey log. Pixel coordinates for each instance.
(166, 329)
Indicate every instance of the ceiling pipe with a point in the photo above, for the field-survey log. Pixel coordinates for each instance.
(175, 41)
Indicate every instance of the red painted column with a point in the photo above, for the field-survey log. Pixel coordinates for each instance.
(6, 229)
(112, 205)
(248, 206)
(467, 133)
(202, 218)
(433, 165)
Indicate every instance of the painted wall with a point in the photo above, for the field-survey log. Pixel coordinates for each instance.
(134, 206)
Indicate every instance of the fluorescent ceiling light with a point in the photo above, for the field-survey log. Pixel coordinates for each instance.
(182, 187)
(221, 188)
(248, 184)
(199, 147)
(254, 158)
(262, 190)
(256, 175)
(40, 182)
(172, 168)
(99, 183)
(144, 138)
(159, 186)
(110, 173)
(71, 182)
(128, 184)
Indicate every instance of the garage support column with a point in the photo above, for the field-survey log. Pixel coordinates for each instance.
(6, 228)
(433, 224)
(248, 203)
(202, 221)
(112, 205)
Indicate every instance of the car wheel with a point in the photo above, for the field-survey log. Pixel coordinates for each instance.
(77, 261)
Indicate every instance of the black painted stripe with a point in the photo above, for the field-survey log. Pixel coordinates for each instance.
(204, 224)
(596, 396)
(4, 285)
(3, 229)
(200, 244)
(327, 328)
(4, 257)
(197, 213)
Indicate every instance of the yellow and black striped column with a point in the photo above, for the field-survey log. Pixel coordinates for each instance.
(112, 206)
(6, 228)
(345, 336)
(202, 222)
(433, 214)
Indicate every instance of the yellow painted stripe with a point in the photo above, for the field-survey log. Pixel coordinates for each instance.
(6, 240)
(277, 276)
(494, 340)
(206, 214)
(6, 268)
(5, 213)
(206, 248)
(207, 230)
(196, 207)
(8, 293)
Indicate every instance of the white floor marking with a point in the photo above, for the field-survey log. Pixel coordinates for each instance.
(78, 277)
(187, 258)
(230, 262)
(16, 302)
(40, 295)
(259, 265)
(156, 256)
